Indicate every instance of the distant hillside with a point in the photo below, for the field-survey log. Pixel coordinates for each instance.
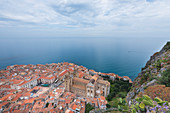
(154, 79)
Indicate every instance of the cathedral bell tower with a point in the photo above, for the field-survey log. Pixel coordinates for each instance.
(75, 73)
(68, 82)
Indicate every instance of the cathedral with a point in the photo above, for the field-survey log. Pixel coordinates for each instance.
(88, 88)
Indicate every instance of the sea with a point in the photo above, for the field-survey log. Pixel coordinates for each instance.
(122, 56)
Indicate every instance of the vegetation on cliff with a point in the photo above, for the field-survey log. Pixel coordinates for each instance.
(118, 88)
(156, 72)
(157, 91)
(147, 105)
(150, 90)
(165, 78)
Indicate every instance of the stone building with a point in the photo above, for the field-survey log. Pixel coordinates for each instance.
(91, 88)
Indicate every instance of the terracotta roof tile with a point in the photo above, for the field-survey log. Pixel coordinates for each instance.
(81, 80)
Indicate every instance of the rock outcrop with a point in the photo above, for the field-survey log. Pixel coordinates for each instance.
(152, 74)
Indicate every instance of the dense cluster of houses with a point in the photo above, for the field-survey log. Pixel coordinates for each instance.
(21, 89)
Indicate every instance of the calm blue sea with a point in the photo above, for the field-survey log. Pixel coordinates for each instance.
(122, 56)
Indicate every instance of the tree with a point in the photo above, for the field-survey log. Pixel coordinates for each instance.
(89, 107)
(165, 78)
(120, 87)
(111, 95)
(108, 105)
(47, 104)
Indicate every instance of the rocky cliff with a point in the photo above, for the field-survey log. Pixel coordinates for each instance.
(154, 77)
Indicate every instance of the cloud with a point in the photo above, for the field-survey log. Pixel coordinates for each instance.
(87, 15)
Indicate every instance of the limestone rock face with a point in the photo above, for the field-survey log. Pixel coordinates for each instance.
(150, 74)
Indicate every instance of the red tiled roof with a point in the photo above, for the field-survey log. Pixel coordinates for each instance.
(16, 81)
(80, 80)
(74, 107)
(29, 100)
(63, 73)
(6, 97)
(3, 80)
(23, 83)
(71, 111)
(18, 95)
(102, 97)
(48, 78)
(3, 104)
(5, 86)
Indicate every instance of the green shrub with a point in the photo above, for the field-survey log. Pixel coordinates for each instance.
(47, 104)
(165, 78)
(119, 87)
(158, 65)
(89, 107)
(108, 105)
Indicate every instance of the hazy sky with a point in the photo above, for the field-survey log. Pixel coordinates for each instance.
(84, 18)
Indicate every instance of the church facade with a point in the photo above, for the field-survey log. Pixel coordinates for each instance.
(88, 88)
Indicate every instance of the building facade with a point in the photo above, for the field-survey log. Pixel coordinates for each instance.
(91, 88)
